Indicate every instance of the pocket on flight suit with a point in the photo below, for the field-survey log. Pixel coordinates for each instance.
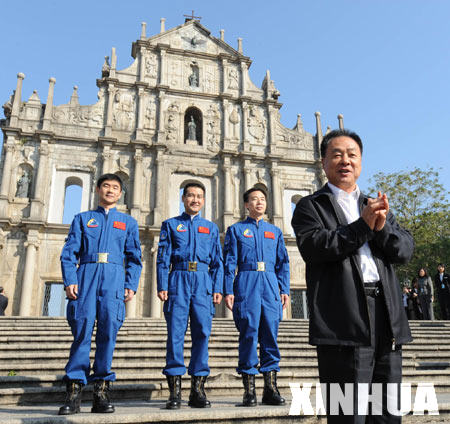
(120, 306)
(239, 310)
(168, 305)
(71, 311)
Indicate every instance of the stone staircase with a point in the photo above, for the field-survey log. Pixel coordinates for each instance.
(34, 351)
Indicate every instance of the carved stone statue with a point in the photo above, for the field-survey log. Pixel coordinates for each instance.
(23, 185)
(193, 80)
(194, 77)
(192, 127)
(106, 67)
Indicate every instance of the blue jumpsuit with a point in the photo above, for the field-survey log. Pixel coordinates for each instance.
(257, 309)
(101, 286)
(184, 240)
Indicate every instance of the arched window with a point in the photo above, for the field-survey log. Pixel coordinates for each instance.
(72, 198)
(125, 197)
(193, 126)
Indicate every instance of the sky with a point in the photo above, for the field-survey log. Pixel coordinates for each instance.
(383, 64)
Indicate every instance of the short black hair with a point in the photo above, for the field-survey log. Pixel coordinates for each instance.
(1, 289)
(441, 265)
(107, 177)
(251, 190)
(339, 133)
(193, 185)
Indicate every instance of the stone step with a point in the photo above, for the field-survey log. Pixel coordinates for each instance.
(152, 386)
(222, 411)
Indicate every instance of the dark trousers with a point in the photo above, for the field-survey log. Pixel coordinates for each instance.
(444, 303)
(376, 363)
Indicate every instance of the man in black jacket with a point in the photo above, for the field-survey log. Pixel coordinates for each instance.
(442, 282)
(349, 243)
(3, 302)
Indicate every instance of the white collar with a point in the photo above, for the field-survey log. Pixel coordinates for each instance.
(339, 193)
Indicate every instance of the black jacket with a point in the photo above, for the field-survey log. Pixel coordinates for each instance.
(335, 292)
(3, 304)
(445, 281)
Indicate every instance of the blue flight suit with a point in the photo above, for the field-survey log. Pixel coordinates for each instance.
(101, 286)
(257, 309)
(184, 240)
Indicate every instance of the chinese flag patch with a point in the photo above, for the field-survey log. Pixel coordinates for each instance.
(269, 234)
(119, 225)
(204, 230)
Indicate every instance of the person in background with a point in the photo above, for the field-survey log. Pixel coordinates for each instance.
(426, 293)
(415, 298)
(442, 283)
(3, 301)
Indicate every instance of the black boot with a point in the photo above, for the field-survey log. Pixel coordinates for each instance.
(73, 398)
(174, 382)
(197, 397)
(102, 403)
(249, 390)
(271, 395)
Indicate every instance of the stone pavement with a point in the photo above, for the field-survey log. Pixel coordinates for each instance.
(223, 410)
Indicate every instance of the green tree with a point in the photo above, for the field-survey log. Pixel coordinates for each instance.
(420, 204)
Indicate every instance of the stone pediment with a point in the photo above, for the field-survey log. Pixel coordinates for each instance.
(194, 37)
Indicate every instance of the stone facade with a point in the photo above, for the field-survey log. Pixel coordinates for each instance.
(185, 110)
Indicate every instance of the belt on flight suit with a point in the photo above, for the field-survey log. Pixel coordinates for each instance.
(190, 266)
(256, 266)
(102, 258)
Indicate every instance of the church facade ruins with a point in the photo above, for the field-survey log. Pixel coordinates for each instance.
(185, 110)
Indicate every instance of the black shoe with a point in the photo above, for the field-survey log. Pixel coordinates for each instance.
(249, 390)
(271, 395)
(197, 397)
(102, 403)
(174, 382)
(73, 398)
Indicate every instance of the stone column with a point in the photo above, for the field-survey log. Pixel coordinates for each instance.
(14, 119)
(49, 106)
(137, 184)
(271, 130)
(247, 175)
(142, 54)
(130, 308)
(6, 177)
(143, 28)
(37, 204)
(32, 245)
(224, 75)
(244, 124)
(276, 194)
(161, 132)
(112, 71)
(109, 110)
(341, 121)
(243, 79)
(228, 202)
(155, 303)
(226, 121)
(140, 113)
(319, 135)
(162, 67)
(106, 156)
(159, 187)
